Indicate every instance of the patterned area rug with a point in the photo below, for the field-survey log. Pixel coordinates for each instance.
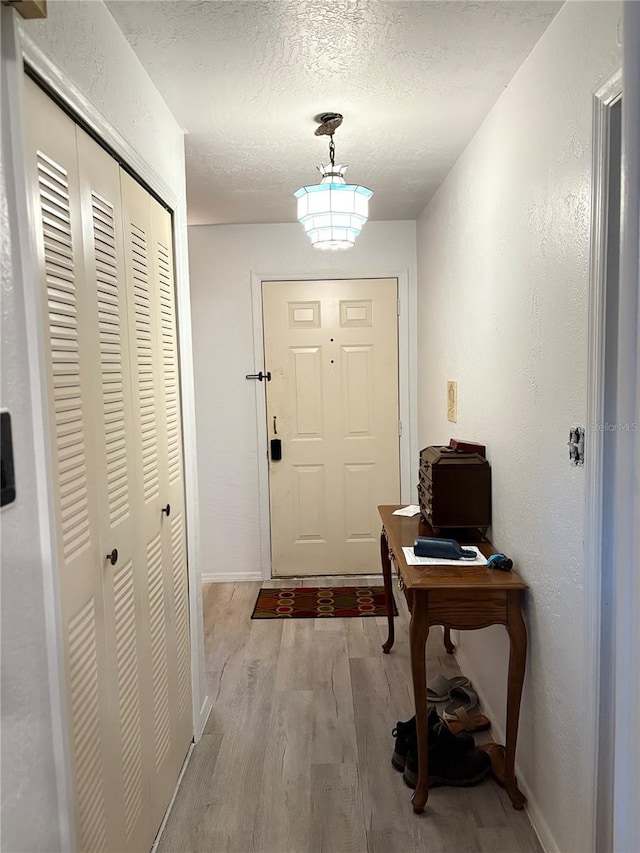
(312, 602)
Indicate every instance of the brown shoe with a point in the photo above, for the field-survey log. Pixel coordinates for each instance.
(496, 751)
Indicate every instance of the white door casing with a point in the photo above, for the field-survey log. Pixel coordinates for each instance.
(332, 350)
(598, 751)
(626, 783)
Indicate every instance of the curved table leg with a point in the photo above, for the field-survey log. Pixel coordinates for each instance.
(418, 633)
(517, 658)
(447, 641)
(388, 589)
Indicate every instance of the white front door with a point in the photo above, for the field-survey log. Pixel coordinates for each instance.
(332, 350)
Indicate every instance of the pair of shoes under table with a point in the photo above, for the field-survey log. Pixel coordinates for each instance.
(453, 759)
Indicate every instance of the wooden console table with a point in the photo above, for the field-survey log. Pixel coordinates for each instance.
(458, 597)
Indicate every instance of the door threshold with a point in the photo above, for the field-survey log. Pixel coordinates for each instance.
(328, 580)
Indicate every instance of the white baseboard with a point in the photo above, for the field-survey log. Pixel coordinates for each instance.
(205, 710)
(536, 817)
(183, 770)
(230, 577)
(204, 716)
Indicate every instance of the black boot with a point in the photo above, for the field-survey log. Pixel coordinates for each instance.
(449, 762)
(403, 732)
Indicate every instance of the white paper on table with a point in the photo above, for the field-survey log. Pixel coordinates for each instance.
(412, 560)
(410, 510)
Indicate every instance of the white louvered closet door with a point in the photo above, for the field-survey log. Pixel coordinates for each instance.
(143, 295)
(172, 487)
(117, 494)
(106, 267)
(71, 354)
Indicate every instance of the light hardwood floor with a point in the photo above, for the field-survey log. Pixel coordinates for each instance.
(296, 754)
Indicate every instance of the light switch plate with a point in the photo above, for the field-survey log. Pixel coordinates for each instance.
(452, 402)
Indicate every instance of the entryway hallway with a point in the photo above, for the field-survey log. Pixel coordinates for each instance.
(296, 755)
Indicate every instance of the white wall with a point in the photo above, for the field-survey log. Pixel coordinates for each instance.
(222, 258)
(85, 43)
(503, 265)
(83, 49)
(29, 797)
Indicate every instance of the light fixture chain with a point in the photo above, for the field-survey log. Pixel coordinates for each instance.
(332, 151)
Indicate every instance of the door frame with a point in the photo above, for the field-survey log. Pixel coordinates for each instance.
(406, 387)
(626, 535)
(603, 100)
(27, 53)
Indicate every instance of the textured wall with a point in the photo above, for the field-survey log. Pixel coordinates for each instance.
(29, 800)
(86, 44)
(221, 260)
(503, 260)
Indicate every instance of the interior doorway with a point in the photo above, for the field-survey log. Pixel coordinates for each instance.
(333, 425)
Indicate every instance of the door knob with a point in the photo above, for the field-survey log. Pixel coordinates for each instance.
(113, 557)
(167, 509)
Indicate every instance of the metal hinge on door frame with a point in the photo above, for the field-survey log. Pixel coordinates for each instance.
(398, 306)
(399, 427)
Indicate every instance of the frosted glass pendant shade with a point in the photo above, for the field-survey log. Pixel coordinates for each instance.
(333, 212)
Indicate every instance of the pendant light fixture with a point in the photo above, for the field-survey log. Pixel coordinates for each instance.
(332, 212)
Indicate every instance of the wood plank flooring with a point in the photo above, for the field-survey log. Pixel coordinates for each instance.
(296, 757)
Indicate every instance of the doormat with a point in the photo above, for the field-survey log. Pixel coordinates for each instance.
(313, 602)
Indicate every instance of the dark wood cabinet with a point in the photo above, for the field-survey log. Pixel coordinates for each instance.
(454, 489)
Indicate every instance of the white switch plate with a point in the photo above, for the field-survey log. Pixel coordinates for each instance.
(452, 402)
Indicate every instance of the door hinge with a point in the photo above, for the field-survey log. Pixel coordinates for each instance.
(576, 445)
(398, 306)
(399, 427)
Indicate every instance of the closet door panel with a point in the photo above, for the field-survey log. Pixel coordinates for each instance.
(148, 439)
(71, 357)
(110, 345)
(117, 492)
(172, 486)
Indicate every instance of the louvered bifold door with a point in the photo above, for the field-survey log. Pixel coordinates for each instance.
(142, 301)
(72, 360)
(124, 579)
(174, 554)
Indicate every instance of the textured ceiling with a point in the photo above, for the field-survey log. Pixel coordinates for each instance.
(245, 79)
